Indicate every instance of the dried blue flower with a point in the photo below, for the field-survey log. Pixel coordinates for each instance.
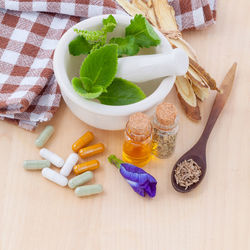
(138, 179)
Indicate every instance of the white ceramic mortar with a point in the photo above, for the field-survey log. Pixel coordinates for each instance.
(91, 112)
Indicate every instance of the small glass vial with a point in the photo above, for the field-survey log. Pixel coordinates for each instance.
(165, 128)
(138, 137)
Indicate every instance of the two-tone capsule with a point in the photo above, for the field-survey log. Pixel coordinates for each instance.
(36, 164)
(91, 150)
(86, 166)
(44, 136)
(52, 157)
(69, 164)
(80, 179)
(82, 141)
(88, 190)
(55, 177)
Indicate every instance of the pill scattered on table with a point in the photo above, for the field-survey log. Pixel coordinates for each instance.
(80, 179)
(36, 164)
(54, 177)
(52, 157)
(69, 164)
(82, 170)
(82, 141)
(88, 190)
(91, 150)
(44, 136)
(86, 166)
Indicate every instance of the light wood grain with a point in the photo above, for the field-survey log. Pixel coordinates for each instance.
(37, 214)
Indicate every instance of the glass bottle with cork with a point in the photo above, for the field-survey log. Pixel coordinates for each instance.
(165, 128)
(138, 137)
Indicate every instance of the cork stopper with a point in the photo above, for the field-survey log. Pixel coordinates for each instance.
(166, 113)
(139, 124)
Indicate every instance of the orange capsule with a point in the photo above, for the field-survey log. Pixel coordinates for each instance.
(86, 166)
(82, 141)
(91, 150)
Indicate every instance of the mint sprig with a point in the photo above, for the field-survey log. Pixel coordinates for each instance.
(126, 45)
(91, 94)
(79, 46)
(98, 38)
(144, 34)
(97, 72)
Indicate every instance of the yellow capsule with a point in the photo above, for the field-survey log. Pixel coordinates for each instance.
(86, 166)
(83, 141)
(91, 150)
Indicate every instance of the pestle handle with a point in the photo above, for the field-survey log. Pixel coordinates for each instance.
(148, 67)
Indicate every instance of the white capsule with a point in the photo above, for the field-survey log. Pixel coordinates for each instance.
(55, 177)
(69, 164)
(52, 157)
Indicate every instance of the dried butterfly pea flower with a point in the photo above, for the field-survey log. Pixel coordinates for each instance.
(141, 181)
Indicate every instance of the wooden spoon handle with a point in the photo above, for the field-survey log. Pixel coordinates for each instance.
(219, 102)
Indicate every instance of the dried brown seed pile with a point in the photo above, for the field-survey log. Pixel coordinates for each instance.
(187, 173)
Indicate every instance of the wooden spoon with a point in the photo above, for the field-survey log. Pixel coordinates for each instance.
(198, 151)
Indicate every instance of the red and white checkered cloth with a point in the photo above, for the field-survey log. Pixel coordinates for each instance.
(29, 32)
(194, 14)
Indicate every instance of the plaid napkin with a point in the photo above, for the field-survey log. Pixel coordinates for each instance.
(29, 32)
(194, 14)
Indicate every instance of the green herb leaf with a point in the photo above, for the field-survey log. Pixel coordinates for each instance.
(126, 45)
(143, 32)
(86, 83)
(101, 65)
(78, 87)
(92, 36)
(79, 46)
(109, 24)
(121, 92)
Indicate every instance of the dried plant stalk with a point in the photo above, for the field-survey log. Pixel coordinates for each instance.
(195, 78)
(148, 12)
(129, 8)
(200, 88)
(187, 98)
(203, 74)
(184, 88)
(165, 16)
(149, 3)
(201, 93)
(181, 43)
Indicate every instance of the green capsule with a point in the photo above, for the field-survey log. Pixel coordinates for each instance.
(44, 136)
(36, 164)
(88, 190)
(80, 179)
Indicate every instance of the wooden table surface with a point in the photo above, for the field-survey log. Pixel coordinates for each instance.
(38, 214)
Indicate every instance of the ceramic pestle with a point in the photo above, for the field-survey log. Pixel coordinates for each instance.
(144, 68)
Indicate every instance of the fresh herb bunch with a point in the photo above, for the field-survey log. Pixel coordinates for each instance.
(98, 70)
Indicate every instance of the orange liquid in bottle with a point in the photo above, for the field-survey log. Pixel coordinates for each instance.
(137, 153)
(137, 144)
